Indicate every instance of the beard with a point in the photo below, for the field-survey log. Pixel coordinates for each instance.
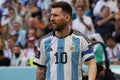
(59, 26)
(17, 54)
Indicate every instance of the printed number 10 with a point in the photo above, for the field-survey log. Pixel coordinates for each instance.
(63, 58)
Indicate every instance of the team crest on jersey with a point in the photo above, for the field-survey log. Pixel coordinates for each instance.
(72, 48)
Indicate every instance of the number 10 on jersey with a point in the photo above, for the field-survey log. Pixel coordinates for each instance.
(62, 56)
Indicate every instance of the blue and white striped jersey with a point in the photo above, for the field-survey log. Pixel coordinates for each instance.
(63, 57)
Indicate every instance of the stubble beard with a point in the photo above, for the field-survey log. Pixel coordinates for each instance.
(60, 27)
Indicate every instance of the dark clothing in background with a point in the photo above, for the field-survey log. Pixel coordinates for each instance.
(5, 62)
(104, 29)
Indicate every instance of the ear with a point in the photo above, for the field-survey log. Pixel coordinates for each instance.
(68, 18)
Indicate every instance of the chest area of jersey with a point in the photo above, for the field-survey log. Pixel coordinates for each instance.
(62, 50)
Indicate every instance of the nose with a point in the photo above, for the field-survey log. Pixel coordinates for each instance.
(51, 18)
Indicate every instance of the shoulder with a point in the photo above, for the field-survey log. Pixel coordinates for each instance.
(22, 31)
(86, 17)
(46, 37)
(81, 35)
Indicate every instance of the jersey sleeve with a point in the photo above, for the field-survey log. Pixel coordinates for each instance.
(40, 58)
(87, 50)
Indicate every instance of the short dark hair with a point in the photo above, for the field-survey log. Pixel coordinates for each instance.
(64, 5)
(109, 36)
(103, 8)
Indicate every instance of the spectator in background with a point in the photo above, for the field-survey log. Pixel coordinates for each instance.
(85, 4)
(20, 32)
(73, 5)
(41, 4)
(4, 32)
(33, 9)
(113, 50)
(13, 18)
(46, 15)
(29, 52)
(1, 3)
(116, 33)
(48, 27)
(45, 4)
(39, 34)
(83, 23)
(2, 44)
(31, 23)
(97, 8)
(5, 19)
(18, 58)
(10, 43)
(38, 22)
(112, 4)
(104, 24)
(4, 61)
(31, 33)
(19, 9)
(8, 4)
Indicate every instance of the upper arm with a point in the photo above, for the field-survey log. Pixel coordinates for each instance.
(92, 61)
(40, 58)
(87, 50)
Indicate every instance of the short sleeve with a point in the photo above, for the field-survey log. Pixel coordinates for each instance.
(87, 50)
(40, 58)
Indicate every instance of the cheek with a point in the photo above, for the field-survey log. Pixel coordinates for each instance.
(109, 44)
(57, 20)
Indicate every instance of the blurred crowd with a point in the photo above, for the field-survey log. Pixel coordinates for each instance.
(24, 22)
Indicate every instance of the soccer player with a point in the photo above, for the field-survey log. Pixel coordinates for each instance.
(63, 50)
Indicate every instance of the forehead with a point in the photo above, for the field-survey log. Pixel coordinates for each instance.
(56, 10)
(106, 8)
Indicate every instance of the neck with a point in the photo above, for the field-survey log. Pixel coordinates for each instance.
(63, 33)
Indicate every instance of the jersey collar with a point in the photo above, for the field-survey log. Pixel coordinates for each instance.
(65, 36)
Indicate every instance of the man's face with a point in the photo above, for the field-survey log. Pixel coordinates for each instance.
(16, 26)
(106, 12)
(16, 50)
(58, 19)
(79, 12)
(31, 33)
(110, 43)
(11, 43)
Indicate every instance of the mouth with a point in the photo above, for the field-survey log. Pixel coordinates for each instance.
(53, 23)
